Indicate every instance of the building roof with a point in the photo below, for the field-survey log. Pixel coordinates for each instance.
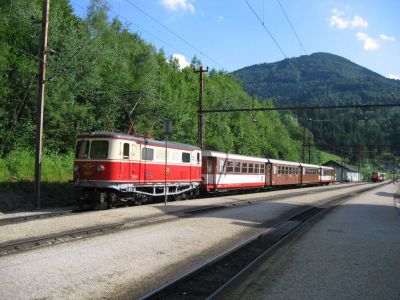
(348, 167)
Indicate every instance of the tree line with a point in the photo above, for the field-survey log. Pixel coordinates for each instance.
(99, 70)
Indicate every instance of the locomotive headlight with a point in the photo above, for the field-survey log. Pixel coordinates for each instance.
(100, 168)
(76, 168)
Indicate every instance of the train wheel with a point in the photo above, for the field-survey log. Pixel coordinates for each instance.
(112, 200)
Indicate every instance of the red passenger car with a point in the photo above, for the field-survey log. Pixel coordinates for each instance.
(310, 174)
(225, 171)
(111, 167)
(327, 175)
(284, 172)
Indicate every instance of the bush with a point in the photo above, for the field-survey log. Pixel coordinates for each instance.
(19, 165)
(4, 174)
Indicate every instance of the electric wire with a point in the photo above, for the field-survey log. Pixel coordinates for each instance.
(266, 29)
(173, 33)
(291, 25)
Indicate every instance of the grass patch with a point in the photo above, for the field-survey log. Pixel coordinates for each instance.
(326, 156)
(17, 175)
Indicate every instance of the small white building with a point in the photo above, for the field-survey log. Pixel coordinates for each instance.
(345, 172)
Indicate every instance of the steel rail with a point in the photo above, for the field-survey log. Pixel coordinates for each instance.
(38, 216)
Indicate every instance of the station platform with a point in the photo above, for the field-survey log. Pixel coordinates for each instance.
(352, 252)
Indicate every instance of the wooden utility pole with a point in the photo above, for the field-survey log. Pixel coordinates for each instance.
(201, 120)
(304, 145)
(39, 113)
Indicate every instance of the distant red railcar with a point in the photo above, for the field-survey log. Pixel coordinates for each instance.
(377, 176)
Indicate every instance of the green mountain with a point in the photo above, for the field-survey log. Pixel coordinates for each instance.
(327, 79)
(321, 78)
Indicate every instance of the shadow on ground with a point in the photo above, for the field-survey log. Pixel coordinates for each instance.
(20, 196)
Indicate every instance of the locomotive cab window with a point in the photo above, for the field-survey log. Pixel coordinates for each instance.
(244, 167)
(99, 149)
(185, 157)
(82, 149)
(147, 154)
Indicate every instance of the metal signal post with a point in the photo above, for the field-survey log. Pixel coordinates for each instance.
(39, 113)
(201, 121)
(167, 131)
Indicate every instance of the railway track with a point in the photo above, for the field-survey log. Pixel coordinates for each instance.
(43, 216)
(38, 216)
(208, 280)
(14, 246)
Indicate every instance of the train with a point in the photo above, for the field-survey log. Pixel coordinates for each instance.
(377, 176)
(111, 168)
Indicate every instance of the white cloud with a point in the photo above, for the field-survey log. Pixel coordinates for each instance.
(394, 76)
(176, 5)
(358, 22)
(220, 18)
(370, 44)
(339, 22)
(183, 63)
(387, 38)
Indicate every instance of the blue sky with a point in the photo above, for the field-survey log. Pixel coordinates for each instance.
(227, 35)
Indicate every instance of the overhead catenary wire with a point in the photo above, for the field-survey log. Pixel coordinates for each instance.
(291, 25)
(173, 33)
(266, 29)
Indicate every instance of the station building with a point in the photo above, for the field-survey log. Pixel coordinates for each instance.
(345, 172)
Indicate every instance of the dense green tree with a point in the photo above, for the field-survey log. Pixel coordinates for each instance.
(101, 76)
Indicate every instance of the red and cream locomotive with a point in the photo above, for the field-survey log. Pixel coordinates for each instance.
(114, 167)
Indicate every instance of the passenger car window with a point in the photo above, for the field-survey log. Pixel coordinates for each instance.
(237, 167)
(251, 168)
(229, 167)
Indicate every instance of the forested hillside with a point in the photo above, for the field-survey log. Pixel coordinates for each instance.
(98, 70)
(326, 79)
